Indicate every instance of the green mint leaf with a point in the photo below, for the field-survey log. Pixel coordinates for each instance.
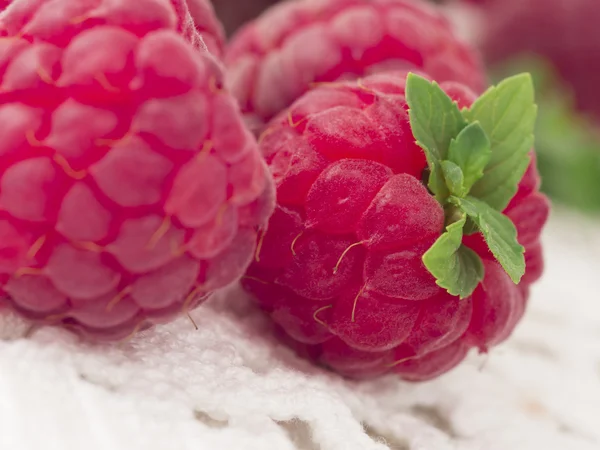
(471, 151)
(435, 120)
(507, 114)
(499, 233)
(457, 268)
(455, 179)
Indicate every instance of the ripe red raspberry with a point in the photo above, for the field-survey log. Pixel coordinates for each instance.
(273, 60)
(340, 268)
(129, 187)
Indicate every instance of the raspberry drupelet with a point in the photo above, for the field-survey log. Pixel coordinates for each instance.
(274, 59)
(340, 269)
(129, 187)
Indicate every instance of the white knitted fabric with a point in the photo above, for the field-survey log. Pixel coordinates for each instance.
(229, 385)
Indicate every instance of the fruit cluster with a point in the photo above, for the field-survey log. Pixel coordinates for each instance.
(344, 160)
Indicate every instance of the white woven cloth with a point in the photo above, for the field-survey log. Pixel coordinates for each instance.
(230, 386)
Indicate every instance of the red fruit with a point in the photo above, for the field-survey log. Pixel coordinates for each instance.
(273, 61)
(129, 188)
(340, 266)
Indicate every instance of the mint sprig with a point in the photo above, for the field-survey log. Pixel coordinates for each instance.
(476, 158)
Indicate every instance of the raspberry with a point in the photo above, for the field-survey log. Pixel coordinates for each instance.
(272, 61)
(340, 267)
(129, 187)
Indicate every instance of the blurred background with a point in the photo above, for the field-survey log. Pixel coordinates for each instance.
(558, 41)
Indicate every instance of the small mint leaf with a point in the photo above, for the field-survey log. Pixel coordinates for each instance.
(455, 180)
(499, 233)
(471, 151)
(507, 114)
(457, 268)
(435, 120)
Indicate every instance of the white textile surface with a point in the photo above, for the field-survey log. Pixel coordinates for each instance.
(229, 385)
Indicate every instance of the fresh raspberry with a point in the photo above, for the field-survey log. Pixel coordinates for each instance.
(199, 16)
(273, 60)
(340, 268)
(129, 187)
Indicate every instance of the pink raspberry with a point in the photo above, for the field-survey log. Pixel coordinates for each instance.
(274, 60)
(340, 268)
(129, 187)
